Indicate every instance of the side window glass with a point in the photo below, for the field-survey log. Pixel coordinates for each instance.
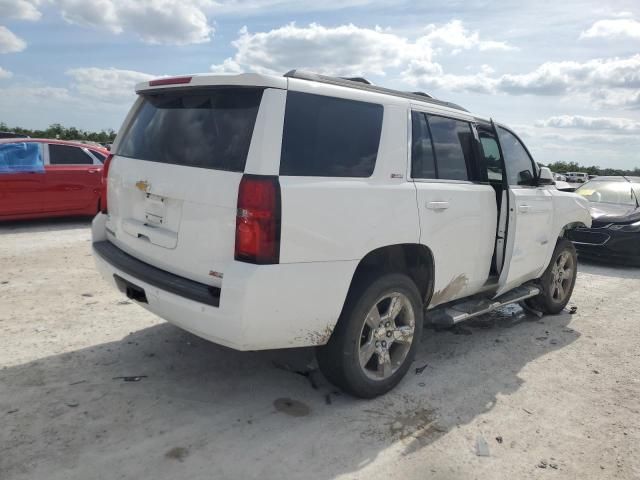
(21, 157)
(517, 161)
(453, 145)
(491, 154)
(422, 161)
(67, 155)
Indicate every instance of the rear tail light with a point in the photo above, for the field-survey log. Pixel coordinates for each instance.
(103, 189)
(258, 220)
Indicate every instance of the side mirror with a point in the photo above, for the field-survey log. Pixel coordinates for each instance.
(546, 177)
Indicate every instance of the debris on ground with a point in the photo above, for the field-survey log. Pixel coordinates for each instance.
(177, 453)
(573, 309)
(482, 447)
(499, 439)
(309, 374)
(531, 310)
(77, 383)
(72, 404)
(542, 464)
(13, 411)
(419, 370)
(528, 411)
(291, 407)
(87, 295)
(135, 378)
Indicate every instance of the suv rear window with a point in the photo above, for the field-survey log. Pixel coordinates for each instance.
(329, 137)
(199, 128)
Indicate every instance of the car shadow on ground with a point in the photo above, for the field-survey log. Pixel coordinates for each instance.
(194, 408)
(45, 225)
(607, 269)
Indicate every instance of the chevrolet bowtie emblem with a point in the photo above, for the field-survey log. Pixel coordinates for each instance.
(142, 185)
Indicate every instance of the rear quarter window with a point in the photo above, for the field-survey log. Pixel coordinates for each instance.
(329, 137)
(199, 128)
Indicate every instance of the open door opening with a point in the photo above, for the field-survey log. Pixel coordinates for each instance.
(495, 176)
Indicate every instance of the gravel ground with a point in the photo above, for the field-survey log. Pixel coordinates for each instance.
(557, 397)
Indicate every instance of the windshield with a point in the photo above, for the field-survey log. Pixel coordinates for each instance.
(620, 193)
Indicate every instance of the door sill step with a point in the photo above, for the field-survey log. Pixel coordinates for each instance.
(469, 308)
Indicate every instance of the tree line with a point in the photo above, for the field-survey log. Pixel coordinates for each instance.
(63, 133)
(564, 167)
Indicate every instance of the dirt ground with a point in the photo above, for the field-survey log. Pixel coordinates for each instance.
(557, 397)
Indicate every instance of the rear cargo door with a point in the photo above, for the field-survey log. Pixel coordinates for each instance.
(173, 182)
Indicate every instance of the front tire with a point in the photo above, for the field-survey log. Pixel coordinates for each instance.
(374, 342)
(558, 280)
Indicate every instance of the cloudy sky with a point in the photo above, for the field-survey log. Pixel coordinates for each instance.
(565, 74)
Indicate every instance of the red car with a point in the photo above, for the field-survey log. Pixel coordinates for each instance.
(49, 178)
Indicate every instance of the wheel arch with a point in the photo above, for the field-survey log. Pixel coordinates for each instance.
(412, 259)
(570, 226)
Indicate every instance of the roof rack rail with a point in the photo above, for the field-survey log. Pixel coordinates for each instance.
(357, 84)
(357, 79)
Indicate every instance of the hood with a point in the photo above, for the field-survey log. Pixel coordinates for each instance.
(605, 213)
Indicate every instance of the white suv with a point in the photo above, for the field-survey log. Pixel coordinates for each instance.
(577, 177)
(264, 212)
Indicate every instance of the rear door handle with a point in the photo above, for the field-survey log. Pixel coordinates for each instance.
(437, 205)
(93, 170)
(524, 209)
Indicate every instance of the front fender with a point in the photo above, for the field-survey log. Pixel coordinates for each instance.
(569, 210)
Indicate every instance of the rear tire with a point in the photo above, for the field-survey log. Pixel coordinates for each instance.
(374, 342)
(558, 280)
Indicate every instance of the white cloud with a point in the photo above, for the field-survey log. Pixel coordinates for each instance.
(348, 49)
(10, 42)
(456, 36)
(624, 98)
(343, 50)
(613, 28)
(614, 124)
(20, 9)
(553, 78)
(550, 78)
(5, 73)
(110, 85)
(154, 21)
(34, 94)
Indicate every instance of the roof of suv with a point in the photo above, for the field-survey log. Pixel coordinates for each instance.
(275, 81)
(363, 84)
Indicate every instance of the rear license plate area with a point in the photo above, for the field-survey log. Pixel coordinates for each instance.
(131, 290)
(154, 209)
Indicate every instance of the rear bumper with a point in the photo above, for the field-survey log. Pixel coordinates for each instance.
(259, 306)
(151, 275)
